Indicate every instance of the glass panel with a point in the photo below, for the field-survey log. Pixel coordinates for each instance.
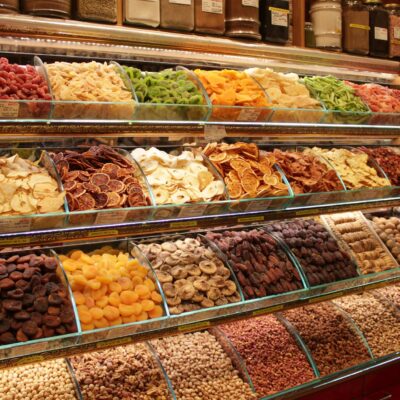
(378, 322)
(260, 343)
(53, 323)
(197, 283)
(90, 91)
(363, 243)
(120, 371)
(181, 179)
(116, 295)
(179, 93)
(16, 199)
(342, 346)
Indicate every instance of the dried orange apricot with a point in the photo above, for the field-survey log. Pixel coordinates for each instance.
(143, 291)
(101, 323)
(89, 271)
(102, 302)
(138, 308)
(156, 297)
(128, 320)
(114, 299)
(148, 305)
(117, 321)
(84, 315)
(115, 287)
(126, 311)
(97, 313)
(98, 294)
(150, 284)
(111, 313)
(128, 297)
(87, 327)
(90, 302)
(79, 298)
(94, 284)
(156, 312)
(143, 316)
(125, 282)
(136, 280)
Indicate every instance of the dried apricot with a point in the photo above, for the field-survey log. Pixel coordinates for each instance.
(143, 316)
(102, 302)
(101, 323)
(126, 311)
(115, 287)
(114, 299)
(150, 284)
(156, 312)
(156, 297)
(129, 297)
(97, 313)
(79, 298)
(111, 313)
(143, 291)
(147, 305)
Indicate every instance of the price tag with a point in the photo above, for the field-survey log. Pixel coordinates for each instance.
(183, 2)
(251, 219)
(212, 6)
(324, 298)
(109, 218)
(268, 310)
(29, 360)
(114, 343)
(194, 327)
(9, 109)
(23, 240)
(183, 224)
(359, 26)
(15, 224)
(250, 3)
(109, 232)
(192, 210)
(381, 33)
(214, 133)
(249, 114)
(279, 16)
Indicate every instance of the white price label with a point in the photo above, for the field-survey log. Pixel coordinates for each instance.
(9, 109)
(279, 16)
(212, 6)
(381, 33)
(183, 2)
(214, 133)
(250, 3)
(250, 114)
(110, 217)
(396, 32)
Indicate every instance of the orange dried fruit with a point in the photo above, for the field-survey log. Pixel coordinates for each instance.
(111, 313)
(129, 297)
(148, 305)
(156, 312)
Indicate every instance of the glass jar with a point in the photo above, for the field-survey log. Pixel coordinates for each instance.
(309, 35)
(209, 16)
(379, 33)
(394, 29)
(355, 27)
(274, 16)
(9, 7)
(142, 12)
(48, 8)
(326, 16)
(242, 19)
(95, 10)
(177, 14)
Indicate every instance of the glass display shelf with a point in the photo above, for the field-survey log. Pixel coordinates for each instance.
(337, 378)
(77, 38)
(87, 340)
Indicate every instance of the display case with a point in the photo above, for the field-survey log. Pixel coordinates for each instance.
(191, 214)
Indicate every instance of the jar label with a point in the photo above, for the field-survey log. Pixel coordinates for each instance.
(250, 3)
(184, 2)
(396, 32)
(212, 6)
(359, 26)
(381, 33)
(279, 16)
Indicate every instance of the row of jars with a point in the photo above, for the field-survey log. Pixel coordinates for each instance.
(365, 27)
(255, 19)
